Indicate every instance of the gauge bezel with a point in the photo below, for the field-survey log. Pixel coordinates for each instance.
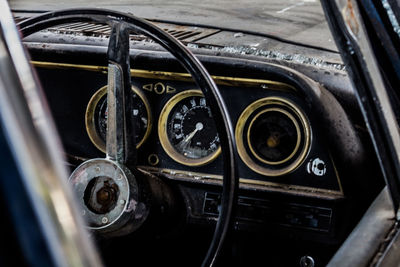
(90, 118)
(290, 116)
(242, 135)
(163, 135)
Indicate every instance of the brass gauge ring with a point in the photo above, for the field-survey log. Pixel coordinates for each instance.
(273, 136)
(187, 130)
(96, 117)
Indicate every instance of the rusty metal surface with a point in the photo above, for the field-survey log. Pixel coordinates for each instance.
(295, 20)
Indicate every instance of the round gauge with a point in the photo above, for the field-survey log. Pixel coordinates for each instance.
(273, 136)
(96, 118)
(187, 130)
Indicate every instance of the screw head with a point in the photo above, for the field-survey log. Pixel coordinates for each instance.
(104, 220)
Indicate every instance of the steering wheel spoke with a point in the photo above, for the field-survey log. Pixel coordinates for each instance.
(120, 145)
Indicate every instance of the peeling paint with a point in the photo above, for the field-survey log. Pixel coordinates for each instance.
(269, 54)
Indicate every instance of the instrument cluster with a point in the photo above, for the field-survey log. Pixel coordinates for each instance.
(279, 143)
(272, 134)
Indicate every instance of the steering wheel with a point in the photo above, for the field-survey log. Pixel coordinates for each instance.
(123, 211)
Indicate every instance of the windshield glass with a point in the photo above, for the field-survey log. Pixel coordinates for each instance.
(300, 21)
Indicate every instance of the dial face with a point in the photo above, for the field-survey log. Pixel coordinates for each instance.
(187, 129)
(139, 115)
(191, 129)
(96, 117)
(274, 136)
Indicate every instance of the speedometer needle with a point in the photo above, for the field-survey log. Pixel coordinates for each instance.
(185, 142)
(199, 127)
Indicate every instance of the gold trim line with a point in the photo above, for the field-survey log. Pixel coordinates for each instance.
(163, 75)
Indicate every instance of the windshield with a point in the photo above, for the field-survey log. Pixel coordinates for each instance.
(300, 21)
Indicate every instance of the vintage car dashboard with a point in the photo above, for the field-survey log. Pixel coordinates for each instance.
(297, 147)
(278, 144)
(281, 147)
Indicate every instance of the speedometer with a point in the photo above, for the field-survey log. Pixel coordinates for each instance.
(187, 130)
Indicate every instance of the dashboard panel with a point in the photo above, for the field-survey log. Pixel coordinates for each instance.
(292, 192)
(281, 146)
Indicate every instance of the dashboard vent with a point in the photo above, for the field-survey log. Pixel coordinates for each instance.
(18, 19)
(185, 34)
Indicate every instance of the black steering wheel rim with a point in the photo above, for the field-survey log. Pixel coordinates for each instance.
(203, 81)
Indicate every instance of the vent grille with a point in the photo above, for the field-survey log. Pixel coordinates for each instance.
(183, 33)
(18, 19)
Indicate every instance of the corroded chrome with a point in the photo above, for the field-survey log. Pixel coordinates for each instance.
(115, 143)
(33, 139)
(106, 189)
(108, 193)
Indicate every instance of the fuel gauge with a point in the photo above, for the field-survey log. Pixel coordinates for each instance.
(273, 136)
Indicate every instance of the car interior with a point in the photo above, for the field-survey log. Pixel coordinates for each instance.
(304, 159)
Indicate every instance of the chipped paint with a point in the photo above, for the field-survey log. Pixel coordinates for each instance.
(238, 34)
(269, 54)
(391, 16)
(283, 10)
(252, 49)
(132, 206)
(290, 7)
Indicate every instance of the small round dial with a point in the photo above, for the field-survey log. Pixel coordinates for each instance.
(273, 136)
(96, 117)
(187, 130)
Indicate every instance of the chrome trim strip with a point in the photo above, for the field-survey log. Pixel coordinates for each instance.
(244, 183)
